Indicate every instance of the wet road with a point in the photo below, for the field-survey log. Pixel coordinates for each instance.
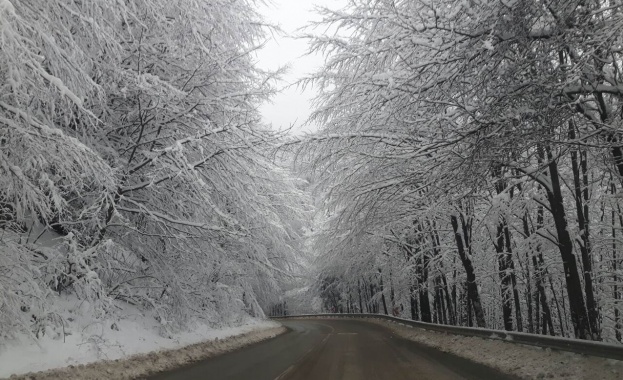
(331, 349)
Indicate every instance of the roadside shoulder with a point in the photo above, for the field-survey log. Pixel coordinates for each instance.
(527, 362)
(141, 365)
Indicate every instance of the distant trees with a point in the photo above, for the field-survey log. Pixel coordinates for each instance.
(132, 131)
(484, 137)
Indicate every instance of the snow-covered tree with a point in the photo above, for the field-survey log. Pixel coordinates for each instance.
(487, 110)
(131, 133)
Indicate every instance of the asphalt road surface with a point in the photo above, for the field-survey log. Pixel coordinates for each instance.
(331, 349)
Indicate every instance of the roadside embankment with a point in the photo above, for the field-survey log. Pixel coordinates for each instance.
(520, 360)
(141, 365)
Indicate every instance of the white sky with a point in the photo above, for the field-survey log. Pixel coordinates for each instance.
(292, 106)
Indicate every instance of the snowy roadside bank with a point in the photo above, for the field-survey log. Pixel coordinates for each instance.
(527, 362)
(145, 363)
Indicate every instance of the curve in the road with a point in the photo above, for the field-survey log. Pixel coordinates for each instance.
(328, 349)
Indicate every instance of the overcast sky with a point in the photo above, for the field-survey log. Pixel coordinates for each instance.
(292, 106)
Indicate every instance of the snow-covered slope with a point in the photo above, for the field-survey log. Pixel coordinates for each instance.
(86, 340)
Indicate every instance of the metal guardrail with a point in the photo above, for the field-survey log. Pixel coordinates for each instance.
(585, 347)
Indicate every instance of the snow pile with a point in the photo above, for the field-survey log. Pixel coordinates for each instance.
(130, 332)
(527, 362)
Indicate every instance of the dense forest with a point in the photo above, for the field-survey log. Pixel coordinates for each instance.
(469, 163)
(134, 166)
(467, 169)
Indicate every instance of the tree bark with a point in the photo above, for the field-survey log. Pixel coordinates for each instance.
(382, 292)
(421, 268)
(472, 287)
(414, 306)
(529, 291)
(360, 300)
(577, 307)
(451, 309)
(615, 266)
(582, 211)
(434, 235)
(503, 271)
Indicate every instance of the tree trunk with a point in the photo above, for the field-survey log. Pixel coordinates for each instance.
(451, 309)
(529, 291)
(440, 301)
(422, 279)
(360, 300)
(577, 306)
(375, 303)
(366, 296)
(615, 266)
(472, 287)
(470, 321)
(443, 281)
(454, 295)
(392, 294)
(414, 306)
(542, 271)
(383, 292)
(421, 260)
(615, 290)
(560, 318)
(547, 314)
(513, 276)
(581, 204)
(505, 289)
(504, 254)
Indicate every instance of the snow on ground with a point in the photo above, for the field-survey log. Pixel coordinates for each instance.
(526, 362)
(130, 332)
(142, 365)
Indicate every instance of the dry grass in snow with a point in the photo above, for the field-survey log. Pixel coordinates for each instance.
(127, 331)
(527, 362)
(146, 364)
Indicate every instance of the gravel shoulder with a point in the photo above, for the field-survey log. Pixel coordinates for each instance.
(523, 361)
(143, 365)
